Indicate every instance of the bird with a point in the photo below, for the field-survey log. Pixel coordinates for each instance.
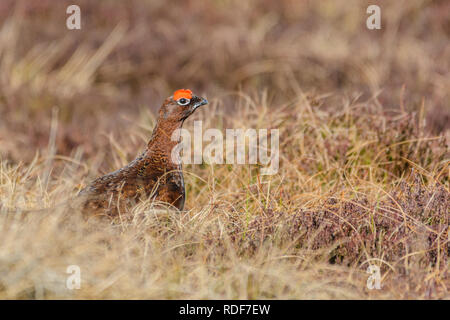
(154, 173)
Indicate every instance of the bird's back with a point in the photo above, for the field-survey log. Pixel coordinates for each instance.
(139, 180)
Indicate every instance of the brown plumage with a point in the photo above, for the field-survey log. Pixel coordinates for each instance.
(152, 174)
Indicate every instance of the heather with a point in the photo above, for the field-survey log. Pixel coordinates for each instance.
(363, 117)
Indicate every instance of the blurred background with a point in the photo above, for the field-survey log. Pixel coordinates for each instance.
(364, 122)
(130, 55)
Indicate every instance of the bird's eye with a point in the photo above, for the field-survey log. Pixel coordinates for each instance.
(183, 101)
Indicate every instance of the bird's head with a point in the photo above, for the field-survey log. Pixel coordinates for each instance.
(180, 105)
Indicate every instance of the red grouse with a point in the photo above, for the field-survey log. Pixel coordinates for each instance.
(154, 173)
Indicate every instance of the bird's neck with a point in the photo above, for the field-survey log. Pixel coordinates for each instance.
(165, 136)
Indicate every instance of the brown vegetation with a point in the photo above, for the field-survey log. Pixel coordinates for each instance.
(364, 158)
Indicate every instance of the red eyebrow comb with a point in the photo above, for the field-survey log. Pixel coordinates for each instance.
(182, 93)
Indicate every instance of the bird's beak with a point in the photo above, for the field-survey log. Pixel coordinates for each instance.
(200, 103)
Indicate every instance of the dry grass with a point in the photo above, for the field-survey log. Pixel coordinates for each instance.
(364, 170)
